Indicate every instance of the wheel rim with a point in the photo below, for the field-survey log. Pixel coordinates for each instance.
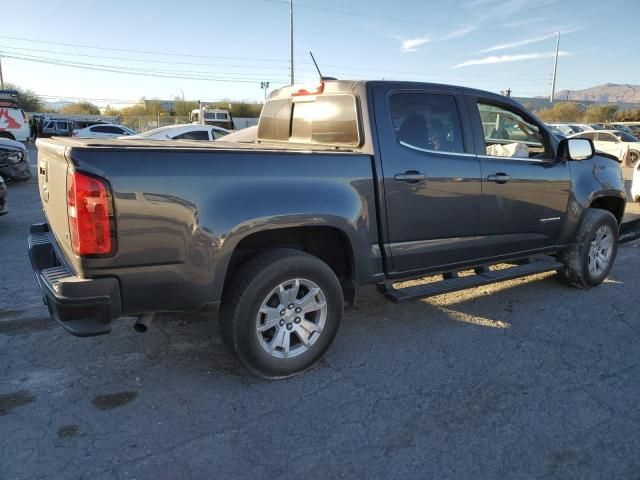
(634, 156)
(600, 250)
(291, 318)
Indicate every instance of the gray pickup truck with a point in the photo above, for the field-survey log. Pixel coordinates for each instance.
(349, 183)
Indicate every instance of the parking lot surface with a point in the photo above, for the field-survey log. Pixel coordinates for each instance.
(524, 379)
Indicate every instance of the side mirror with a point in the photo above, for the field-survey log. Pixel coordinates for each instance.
(575, 149)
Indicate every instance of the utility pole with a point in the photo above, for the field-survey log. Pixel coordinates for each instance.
(1, 78)
(291, 36)
(555, 71)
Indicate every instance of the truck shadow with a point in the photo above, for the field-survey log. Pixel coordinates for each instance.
(192, 341)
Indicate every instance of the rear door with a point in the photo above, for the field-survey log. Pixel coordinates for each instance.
(525, 191)
(431, 178)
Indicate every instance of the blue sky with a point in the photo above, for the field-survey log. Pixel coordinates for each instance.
(210, 50)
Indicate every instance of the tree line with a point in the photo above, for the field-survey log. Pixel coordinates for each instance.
(570, 112)
(29, 101)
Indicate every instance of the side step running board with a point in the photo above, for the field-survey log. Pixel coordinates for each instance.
(483, 276)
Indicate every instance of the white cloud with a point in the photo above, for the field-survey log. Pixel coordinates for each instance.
(491, 10)
(525, 22)
(411, 44)
(460, 32)
(508, 58)
(519, 43)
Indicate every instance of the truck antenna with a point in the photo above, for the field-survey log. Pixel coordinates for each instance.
(318, 69)
(316, 64)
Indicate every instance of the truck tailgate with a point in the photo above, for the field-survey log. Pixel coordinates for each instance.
(52, 183)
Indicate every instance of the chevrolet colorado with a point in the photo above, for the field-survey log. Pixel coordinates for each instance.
(349, 183)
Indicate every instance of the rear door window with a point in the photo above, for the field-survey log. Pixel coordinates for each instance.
(216, 134)
(427, 121)
(606, 137)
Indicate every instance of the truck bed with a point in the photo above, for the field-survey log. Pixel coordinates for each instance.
(181, 208)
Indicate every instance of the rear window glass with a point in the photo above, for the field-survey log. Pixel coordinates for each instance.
(275, 120)
(325, 119)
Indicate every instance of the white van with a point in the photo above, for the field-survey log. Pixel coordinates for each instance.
(14, 124)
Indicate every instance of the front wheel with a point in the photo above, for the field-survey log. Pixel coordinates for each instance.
(589, 260)
(281, 312)
(634, 157)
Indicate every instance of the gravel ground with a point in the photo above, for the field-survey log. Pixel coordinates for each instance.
(524, 379)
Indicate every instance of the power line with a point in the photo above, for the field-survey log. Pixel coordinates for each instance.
(106, 57)
(340, 68)
(377, 17)
(137, 69)
(147, 52)
(129, 71)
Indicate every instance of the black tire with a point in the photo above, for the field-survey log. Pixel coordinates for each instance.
(634, 156)
(246, 293)
(7, 135)
(576, 260)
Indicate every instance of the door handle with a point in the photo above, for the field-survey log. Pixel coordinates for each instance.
(499, 178)
(410, 176)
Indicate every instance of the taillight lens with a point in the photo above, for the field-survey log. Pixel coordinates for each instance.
(90, 211)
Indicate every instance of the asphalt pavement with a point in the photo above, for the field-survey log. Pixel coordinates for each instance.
(524, 379)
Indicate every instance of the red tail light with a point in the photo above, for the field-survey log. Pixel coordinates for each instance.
(90, 211)
(312, 89)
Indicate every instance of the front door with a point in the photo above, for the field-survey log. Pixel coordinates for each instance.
(525, 191)
(431, 177)
(609, 143)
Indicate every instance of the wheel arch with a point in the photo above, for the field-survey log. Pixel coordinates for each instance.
(329, 243)
(613, 204)
(8, 135)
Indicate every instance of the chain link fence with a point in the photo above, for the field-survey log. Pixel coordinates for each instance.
(143, 123)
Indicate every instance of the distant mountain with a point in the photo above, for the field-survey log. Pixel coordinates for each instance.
(609, 92)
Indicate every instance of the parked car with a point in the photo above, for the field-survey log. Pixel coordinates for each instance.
(244, 135)
(567, 129)
(14, 161)
(559, 133)
(635, 130)
(621, 127)
(614, 142)
(14, 123)
(3, 197)
(103, 130)
(184, 132)
(57, 128)
(635, 183)
(351, 183)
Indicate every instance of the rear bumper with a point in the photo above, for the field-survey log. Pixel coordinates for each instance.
(84, 307)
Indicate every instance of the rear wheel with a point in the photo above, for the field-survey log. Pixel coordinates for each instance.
(634, 157)
(281, 312)
(588, 262)
(7, 135)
